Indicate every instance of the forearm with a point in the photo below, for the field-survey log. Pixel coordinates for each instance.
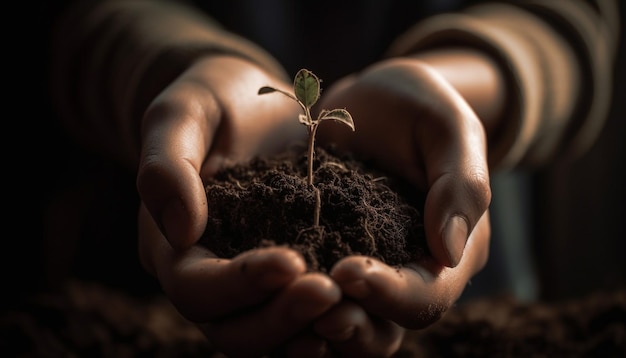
(556, 61)
(111, 58)
(476, 77)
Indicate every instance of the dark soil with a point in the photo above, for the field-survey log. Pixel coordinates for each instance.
(267, 201)
(92, 320)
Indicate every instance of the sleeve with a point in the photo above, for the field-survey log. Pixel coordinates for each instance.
(557, 57)
(111, 58)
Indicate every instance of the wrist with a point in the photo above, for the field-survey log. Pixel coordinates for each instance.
(476, 77)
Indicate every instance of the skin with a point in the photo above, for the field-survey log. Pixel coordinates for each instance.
(427, 118)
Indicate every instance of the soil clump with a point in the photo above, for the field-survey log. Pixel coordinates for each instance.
(267, 201)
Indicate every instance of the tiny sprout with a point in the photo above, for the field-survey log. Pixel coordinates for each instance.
(306, 86)
(307, 90)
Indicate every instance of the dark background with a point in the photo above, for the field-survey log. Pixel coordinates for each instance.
(581, 217)
(577, 220)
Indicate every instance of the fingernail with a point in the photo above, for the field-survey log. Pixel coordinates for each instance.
(455, 236)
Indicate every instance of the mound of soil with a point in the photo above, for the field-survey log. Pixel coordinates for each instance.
(267, 201)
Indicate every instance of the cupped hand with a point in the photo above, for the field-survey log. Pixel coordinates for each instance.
(209, 115)
(264, 295)
(380, 302)
(412, 122)
(416, 125)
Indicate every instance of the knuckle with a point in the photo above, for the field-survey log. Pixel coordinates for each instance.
(478, 188)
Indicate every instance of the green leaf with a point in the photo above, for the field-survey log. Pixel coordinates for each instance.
(339, 115)
(266, 89)
(306, 86)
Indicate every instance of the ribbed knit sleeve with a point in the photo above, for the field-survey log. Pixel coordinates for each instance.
(111, 58)
(557, 58)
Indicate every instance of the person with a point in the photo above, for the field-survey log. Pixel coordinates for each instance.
(442, 98)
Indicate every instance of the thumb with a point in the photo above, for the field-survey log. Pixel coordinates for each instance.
(454, 204)
(176, 134)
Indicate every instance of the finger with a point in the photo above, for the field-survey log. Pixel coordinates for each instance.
(204, 287)
(177, 131)
(350, 331)
(210, 288)
(272, 325)
(400, 295)
(413, 296)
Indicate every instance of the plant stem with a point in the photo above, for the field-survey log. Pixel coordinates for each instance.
(311, 154)
(318, 207)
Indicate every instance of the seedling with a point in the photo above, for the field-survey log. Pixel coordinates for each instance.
(307, 89)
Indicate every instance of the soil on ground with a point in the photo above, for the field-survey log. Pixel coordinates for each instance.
(88, 319)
